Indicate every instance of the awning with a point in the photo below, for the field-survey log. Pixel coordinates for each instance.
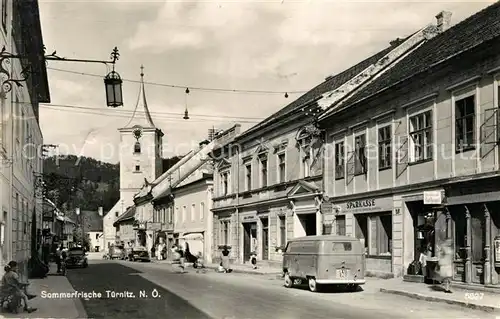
(192, 236)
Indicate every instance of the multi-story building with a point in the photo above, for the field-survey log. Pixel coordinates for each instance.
(269, 180)
(187, 182)
(125, 232)
(140, 161)
(20, 135)
(413, 157)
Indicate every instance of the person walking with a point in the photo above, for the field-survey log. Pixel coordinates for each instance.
(445, 264)
(182, 259)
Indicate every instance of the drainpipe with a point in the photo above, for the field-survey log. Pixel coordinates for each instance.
(239, 259)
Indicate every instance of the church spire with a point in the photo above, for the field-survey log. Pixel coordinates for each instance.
(141, 114)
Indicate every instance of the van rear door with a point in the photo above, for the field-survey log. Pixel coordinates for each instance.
(345, 262)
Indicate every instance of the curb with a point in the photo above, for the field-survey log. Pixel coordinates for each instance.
(249, 272)
(441, 300)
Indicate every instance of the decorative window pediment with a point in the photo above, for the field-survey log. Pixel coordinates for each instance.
(246, 159)
(223, 163)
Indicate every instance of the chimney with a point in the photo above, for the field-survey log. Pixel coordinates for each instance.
(443, 21)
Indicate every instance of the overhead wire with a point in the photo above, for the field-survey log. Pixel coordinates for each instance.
(183, 87)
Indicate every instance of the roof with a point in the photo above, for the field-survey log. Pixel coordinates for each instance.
(141, 116)
(129, 214)
(331, 83)
(473, 31)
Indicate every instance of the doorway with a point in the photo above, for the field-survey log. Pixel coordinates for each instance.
(249, 237)
(265, 238)
(308, 223)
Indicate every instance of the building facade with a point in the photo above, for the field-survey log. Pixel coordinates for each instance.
(269, 181)
(140, 163)
(20, 134)
(125, 232)
(412, 158)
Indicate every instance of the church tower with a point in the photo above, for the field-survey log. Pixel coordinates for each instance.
(140, 149)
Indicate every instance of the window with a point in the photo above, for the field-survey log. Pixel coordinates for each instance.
(225, 232)
(263, 172)
(177, 214)
(96, 236)
(184, 213)
(339, 160)
(193, 212)
(384, 147)
(281, 168)
(4, 15)
(341, 247)
(360, 149)
(464, 123)
(306, 152)
(340, 225)
(224, 177)
(137, 147)
(116, 214)
(378, 239)
(421, 137)
(202, 210)
(248, 176)
(282, 229)
(137, 168)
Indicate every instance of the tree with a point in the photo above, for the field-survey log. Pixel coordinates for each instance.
(77, 238)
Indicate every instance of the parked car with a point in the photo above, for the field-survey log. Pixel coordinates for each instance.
(116, 253)
(139, 253)
(76, 257)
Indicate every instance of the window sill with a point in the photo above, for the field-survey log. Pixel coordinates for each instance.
(359, 174)
(465, 149)
(384, 168)
(137, 153)
(339, 178)
(137, 172)
(420, 162)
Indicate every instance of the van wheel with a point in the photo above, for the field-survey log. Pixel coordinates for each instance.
(313, 286)
(288, 281)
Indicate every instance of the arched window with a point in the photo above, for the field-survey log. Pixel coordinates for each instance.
(137, 147)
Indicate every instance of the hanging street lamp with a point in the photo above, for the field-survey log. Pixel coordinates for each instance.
(113, 84)
(112, 81)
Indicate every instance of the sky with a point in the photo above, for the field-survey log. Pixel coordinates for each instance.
(274, 46)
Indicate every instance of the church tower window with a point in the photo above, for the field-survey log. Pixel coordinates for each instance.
(137, 147)
(137, 168)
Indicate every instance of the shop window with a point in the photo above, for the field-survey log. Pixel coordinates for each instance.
(339, 160)
(340, 225)
(361, 229)
(465, 123)
(360, 151)
(460, 225)
(421, 137)
(384, 147)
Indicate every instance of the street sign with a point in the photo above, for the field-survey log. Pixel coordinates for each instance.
(154, 226)
(433, 198)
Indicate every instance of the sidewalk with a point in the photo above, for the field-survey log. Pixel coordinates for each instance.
(51, 307)
(485, 300)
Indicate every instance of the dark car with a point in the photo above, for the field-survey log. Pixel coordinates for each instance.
(76, 257)
(139, 253)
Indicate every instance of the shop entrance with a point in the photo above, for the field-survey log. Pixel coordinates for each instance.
(308, 223)
(249, 239)
(265, 238)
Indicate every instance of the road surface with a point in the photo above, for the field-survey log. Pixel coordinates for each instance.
(242, 296)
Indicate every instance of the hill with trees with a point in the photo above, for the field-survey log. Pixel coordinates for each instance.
(85, 182)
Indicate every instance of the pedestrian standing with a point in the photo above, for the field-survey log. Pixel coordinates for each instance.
(445, 264)
(253, 260)
(182, 259)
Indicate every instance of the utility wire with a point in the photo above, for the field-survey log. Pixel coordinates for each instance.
(129, 112)
(163, 118)
(196, 88)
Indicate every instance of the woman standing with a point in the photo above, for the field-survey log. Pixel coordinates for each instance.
(445, 264)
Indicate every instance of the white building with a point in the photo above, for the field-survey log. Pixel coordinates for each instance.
(20, 135)
(140, 160)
